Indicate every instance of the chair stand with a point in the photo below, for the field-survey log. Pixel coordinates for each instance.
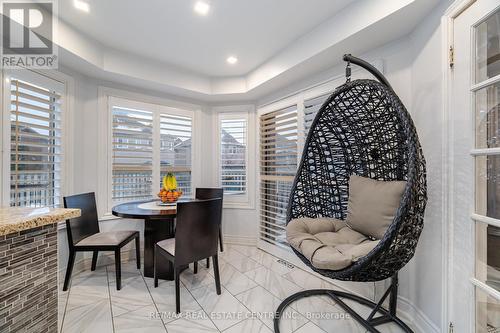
(369, 323)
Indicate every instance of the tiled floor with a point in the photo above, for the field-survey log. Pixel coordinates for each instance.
(253, 285)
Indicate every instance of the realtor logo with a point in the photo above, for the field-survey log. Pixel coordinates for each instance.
(28, 34)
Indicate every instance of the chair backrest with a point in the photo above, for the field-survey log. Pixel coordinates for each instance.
(197, 230)
(85, 225)
(209, 193)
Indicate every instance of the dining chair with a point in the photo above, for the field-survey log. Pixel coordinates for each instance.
(204, 193)
(84, 236)
(197, 230)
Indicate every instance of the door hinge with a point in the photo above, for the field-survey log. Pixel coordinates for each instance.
(451, 56)
(450, 330)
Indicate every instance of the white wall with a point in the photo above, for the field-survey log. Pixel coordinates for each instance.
(426, 270)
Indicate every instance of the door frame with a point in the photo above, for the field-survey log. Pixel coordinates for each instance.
(447, 31)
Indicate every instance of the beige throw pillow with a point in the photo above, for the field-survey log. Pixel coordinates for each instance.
(372, 205)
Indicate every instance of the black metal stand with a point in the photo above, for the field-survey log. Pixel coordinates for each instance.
(386, 316)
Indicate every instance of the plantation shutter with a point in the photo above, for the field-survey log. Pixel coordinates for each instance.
(233, 156)
(175, 149)
(35, 145)
(278, 165)
(311, 108)
(132, 154)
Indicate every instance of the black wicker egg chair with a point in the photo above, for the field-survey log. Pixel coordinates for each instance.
(362, 129)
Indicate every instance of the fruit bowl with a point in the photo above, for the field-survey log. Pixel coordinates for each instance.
(169, 196)
(169, 192)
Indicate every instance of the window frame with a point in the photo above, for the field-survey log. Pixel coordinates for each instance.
(107, 97)
(38, 77)
(247, 112)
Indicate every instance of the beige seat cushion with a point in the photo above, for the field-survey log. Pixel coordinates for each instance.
(106, 238)
(327, 243)
(373, 204)
(168, 245)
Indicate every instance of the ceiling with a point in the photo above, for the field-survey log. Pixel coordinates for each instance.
(169, 31)
(166, 47)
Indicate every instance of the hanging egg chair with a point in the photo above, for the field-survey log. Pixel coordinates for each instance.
(361, 144)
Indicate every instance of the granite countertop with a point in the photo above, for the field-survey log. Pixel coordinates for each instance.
(15, 219)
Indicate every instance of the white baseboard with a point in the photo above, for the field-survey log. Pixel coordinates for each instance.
(410, 314)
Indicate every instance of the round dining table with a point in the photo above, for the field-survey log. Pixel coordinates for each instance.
(159, 224)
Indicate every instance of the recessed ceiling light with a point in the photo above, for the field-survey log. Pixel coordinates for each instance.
(232, 60)
(81, 5)
(201, 7)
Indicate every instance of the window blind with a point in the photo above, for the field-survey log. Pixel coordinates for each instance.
(233, 156)
(35, 145)
(278, 165)
(132, 154)
(311, 108)
(175, 149)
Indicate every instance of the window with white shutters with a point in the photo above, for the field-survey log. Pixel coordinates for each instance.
(278, 165)
(233, 155)
(175, 149)
(311, 108)
(132, 154)
(35, 145)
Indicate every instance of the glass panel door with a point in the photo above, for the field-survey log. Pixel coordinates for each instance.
(486, 94)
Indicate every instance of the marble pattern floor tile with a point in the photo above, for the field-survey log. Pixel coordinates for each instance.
(233, 280)
(164, 299)
(271, 262)
(250, 325)
(87, 314)
(330, 318)
(245, 264)
(253, 285)
(273, 282)
(224, 309)
(201, 279)
(198, 322)
(263, 306)
(309, 328)
(143, 319)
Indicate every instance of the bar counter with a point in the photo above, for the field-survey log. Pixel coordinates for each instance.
(28, 268)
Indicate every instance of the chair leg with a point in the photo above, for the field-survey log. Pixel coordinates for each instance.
(94, 260)
(177, 290)
(138, 252)
(155, 265)
(220, 240)
(216, 274)
(118, 268)
(195, 268)
(208, 262)
(69, 269)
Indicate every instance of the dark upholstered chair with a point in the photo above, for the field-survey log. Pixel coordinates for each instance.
(196, 235)
(84, 235)
(204, 194)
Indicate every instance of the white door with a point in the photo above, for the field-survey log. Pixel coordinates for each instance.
(475, 125)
